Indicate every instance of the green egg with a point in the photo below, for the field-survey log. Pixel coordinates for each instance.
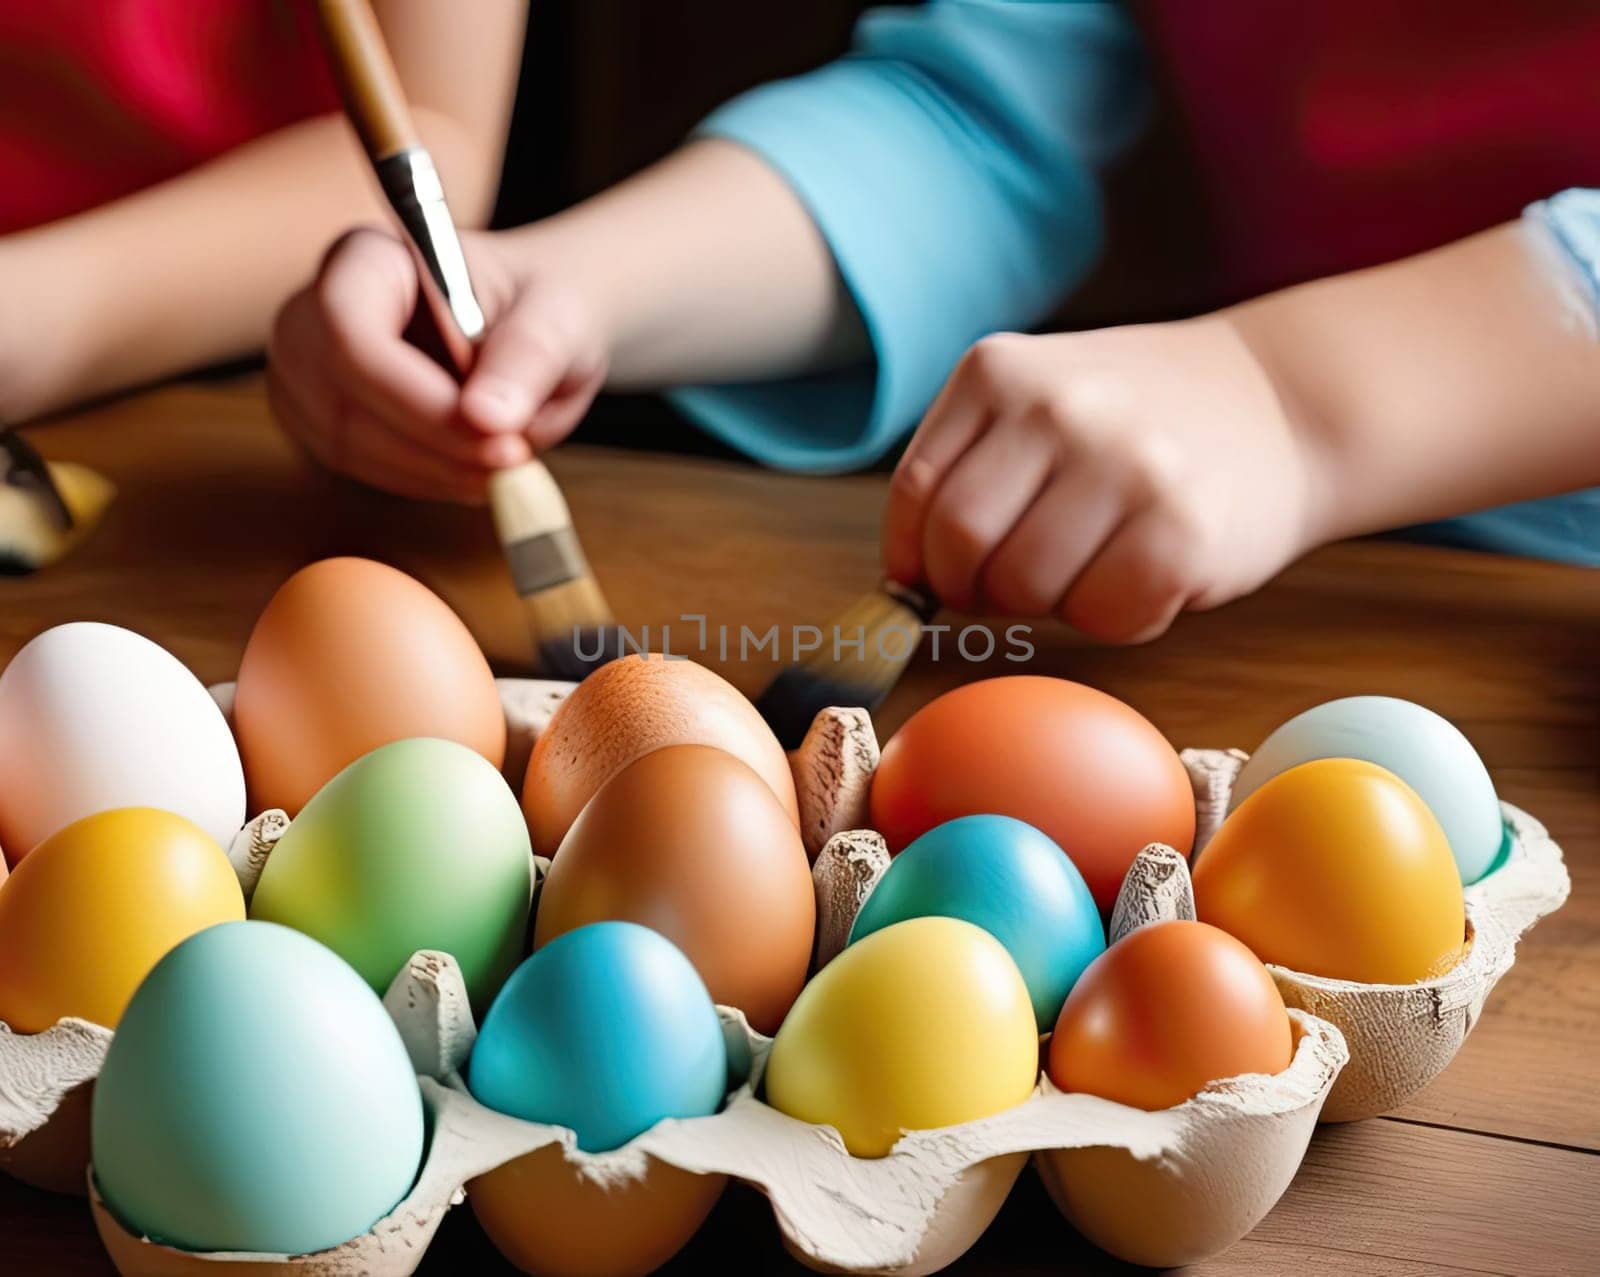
(418, 845)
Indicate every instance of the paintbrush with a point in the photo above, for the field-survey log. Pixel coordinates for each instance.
(46, 508)
(861, 657)
(571, 625)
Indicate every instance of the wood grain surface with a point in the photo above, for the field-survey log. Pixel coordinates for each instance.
(1495, 1168)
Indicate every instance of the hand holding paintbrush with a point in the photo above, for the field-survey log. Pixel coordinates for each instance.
(567, 614)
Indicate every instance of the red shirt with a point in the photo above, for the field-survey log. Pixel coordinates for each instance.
(1328, 134)
(101, 97)
(1333, 134)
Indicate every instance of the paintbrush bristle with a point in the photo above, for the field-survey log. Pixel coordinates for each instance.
(571, 624)
(572, 629)
(842, 671)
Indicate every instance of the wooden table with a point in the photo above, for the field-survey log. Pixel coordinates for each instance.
(1493, 1168)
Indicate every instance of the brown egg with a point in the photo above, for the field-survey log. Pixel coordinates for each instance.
(690, 842)
(585, 1228)
(624, 710)
(350, 655)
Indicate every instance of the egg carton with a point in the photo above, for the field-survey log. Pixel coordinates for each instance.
(1401, 1036)
(1154, 1188)
(632, 1209)
(47, 1078)
(1157, 1188)
(1163, 1187)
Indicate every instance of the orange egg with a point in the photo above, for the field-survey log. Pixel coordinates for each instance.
(1165, 1011)
(1336, 868)
(624, 710)
(350, 655)
(1092, 773)
(690, 842)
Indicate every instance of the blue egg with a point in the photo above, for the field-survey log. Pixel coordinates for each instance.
(607, 1030)
(256, 1097)
(1425, 750)
(1008, 878)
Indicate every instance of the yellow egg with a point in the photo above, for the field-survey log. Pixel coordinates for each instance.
(924, 1024)
(1336, 868)
(93, 907)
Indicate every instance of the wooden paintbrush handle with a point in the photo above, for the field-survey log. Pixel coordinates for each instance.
(366, 76)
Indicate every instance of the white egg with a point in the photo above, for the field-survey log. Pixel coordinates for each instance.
(1425, 750)
(94, 717)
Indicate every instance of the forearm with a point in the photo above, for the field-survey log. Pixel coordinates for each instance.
(703, 268)
(191, 271)
(1441, 384)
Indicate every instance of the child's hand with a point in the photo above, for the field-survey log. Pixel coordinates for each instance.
(1111, 478)
(345, 383)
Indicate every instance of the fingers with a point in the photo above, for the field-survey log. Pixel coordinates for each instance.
(1138, 582)
(979, 502)
(565, 409)
(951, 426)
(365, 401)
(351, 442)
(359, 309)
(1037, 486)
(537, 353)
(329, 390)
(358, 397)
(364, 296)
(1052, 543)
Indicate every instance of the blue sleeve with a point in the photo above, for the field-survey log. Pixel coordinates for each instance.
(949, 161)
(1572, 221)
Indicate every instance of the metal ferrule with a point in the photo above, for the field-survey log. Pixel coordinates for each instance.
(417, 195)
(918, 599)
(23, 468)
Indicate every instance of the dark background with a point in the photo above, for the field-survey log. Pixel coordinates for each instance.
(610, 85)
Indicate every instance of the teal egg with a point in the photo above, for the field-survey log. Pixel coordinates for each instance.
(1007, 877)
(607, 1030)
(256, 1097)
(1424, 749)
(418, 845)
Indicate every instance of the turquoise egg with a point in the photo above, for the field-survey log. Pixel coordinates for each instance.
(418, 845)
(1424, 749)
(1010, 879)
(256, 1097)
(607, 1030)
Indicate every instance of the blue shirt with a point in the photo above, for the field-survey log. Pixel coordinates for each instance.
(949, 161)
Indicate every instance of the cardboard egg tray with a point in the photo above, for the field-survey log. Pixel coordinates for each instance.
(1401, 1036)
(1160, 1188)
(46, 1079)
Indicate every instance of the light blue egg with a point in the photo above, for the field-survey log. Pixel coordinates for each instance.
(1010, 879)
(1424, 749)
(607, 1030)
(256, 1097)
